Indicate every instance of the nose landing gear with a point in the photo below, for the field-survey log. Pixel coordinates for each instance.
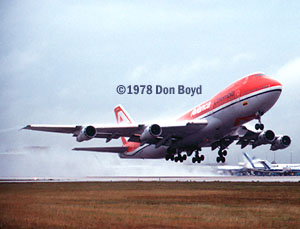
(259, 125)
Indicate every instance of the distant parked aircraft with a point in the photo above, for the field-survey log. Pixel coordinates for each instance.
(260, 167)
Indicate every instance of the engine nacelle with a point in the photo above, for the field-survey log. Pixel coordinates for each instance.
(150, 133)
(86, 133)
(265, 137)
(281, 142)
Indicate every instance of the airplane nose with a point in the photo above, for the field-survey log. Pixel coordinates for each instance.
(274, 83)
(273, 89)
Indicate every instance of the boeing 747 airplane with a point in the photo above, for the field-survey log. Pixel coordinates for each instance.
(216, 123)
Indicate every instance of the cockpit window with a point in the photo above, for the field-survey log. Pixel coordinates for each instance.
(259, 75)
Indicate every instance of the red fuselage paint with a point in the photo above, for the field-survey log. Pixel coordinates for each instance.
(237, 90)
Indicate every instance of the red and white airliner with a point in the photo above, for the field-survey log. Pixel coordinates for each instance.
(215, 123)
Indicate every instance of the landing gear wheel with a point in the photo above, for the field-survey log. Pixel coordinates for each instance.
(193, 159)
(176, 159)
(202, 157)
(184, 157)
(259, 126)
(223, 159)
(220, 153)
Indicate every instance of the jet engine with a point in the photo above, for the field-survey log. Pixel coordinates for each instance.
(150, 133)
(281, 142)
(263, 138)
(86, 133)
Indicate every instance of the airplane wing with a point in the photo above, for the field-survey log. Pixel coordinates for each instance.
(254, 138)
(244, 137)
(165, 136)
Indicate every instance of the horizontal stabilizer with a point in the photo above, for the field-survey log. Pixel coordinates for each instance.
(103, 149)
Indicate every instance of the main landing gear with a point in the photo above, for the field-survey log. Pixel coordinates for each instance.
(177, 158)
(196, 158)
(180, 158)
(175, 155)
(171, 156)
(221, 158)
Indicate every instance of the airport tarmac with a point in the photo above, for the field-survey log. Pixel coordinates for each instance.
(154, 179)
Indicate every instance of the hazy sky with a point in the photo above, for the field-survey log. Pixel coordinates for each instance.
(60, 63)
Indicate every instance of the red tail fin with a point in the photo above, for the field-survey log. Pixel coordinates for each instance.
(122, 118)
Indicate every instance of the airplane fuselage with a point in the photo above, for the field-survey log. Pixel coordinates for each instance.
(244, 100)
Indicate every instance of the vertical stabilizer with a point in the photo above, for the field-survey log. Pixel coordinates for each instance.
(122, 118)
(249, 160)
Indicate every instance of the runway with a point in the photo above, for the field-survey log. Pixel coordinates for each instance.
(153, 179)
